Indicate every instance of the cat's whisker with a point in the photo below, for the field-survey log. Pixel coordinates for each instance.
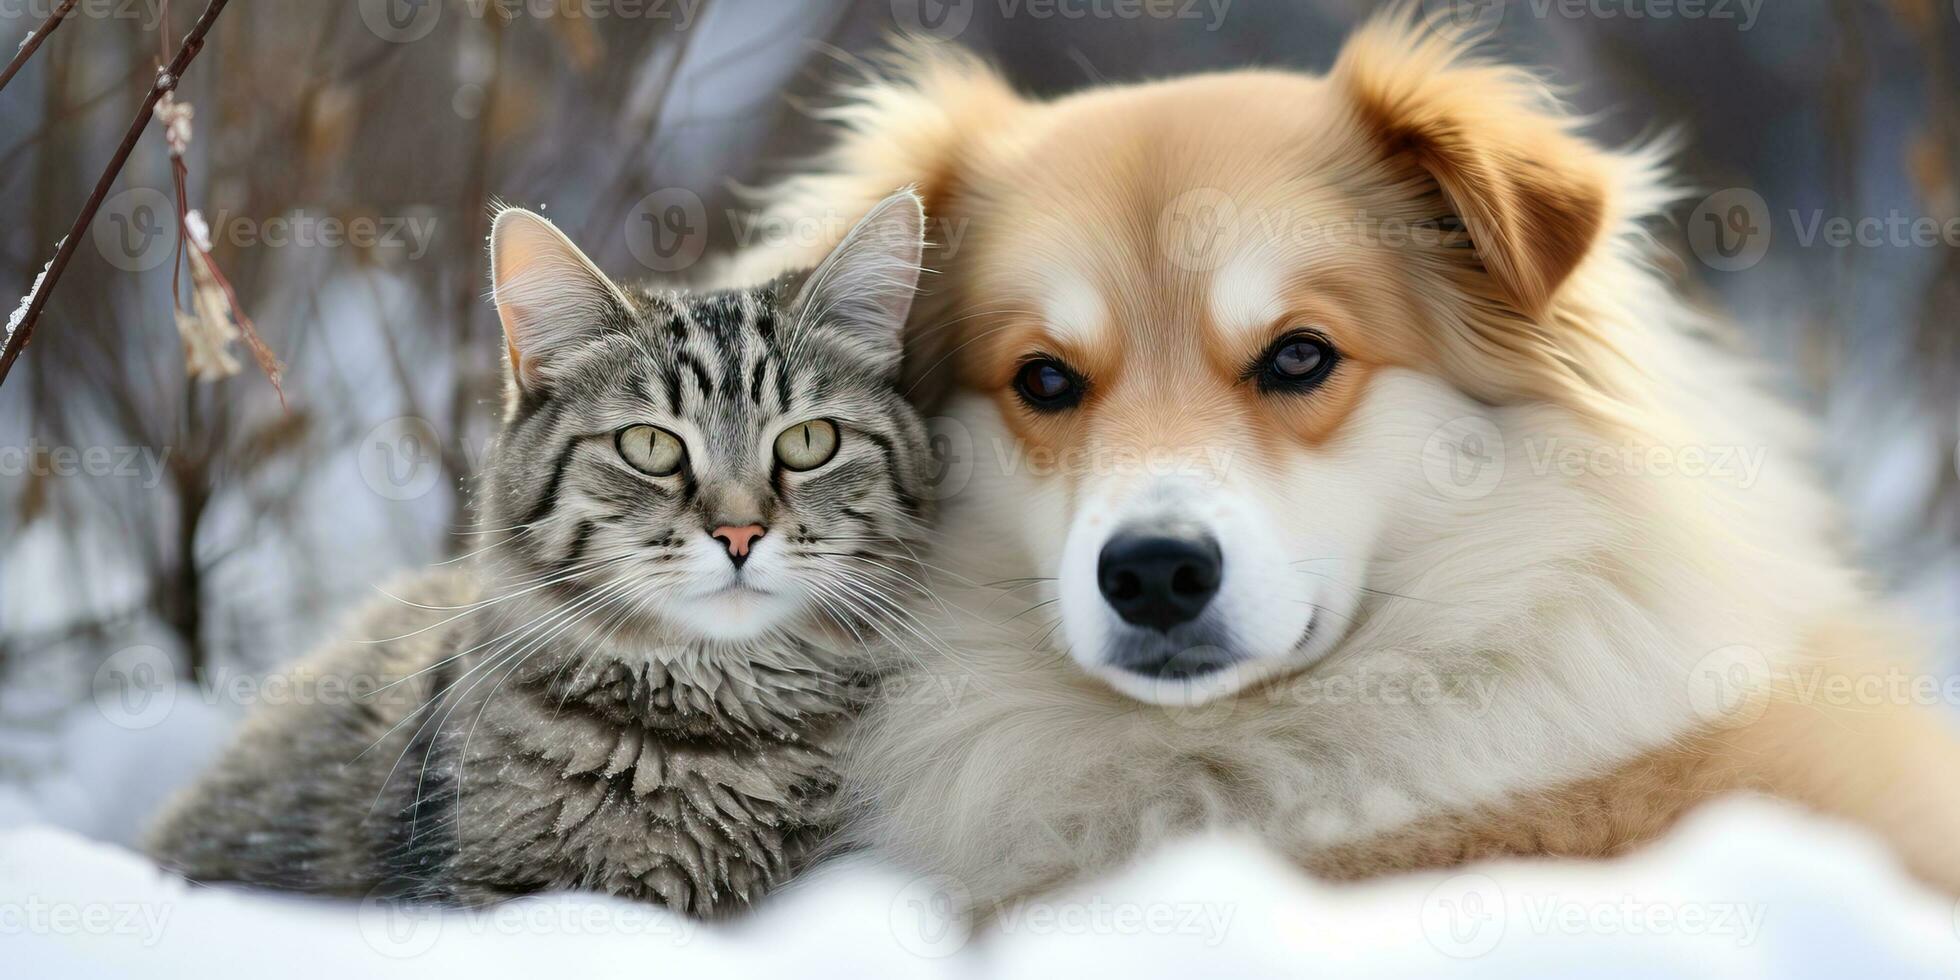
(439, 696)
(611, 593)
(1025, 582)
(1358, 588)
(430, 706)
(901, 618)
(436, 713)
(970, 341)
(444, 622)
(633, 610)
(519, 528)
(601, 564)
(486, 549)
(869, 611)
(526, 588)
(1042, 641)
(972, 313)
(1038, 605)
(837, 609)
(1009, 593)
(912, 554)
(896, 573)
(491, 662)
(1317, 607)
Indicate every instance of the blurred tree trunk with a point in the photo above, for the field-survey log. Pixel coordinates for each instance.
(471, 266)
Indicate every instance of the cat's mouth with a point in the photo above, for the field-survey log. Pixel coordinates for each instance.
(734, 611)
(736, 590)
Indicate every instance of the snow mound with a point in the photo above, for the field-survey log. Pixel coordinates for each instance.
(1747, 888)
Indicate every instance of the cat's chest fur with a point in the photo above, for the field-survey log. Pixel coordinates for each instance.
(693, 776)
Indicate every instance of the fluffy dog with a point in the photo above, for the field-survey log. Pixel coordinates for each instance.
(1381, 493)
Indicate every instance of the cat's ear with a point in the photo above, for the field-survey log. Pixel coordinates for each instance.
(549, 295)
(865, 287)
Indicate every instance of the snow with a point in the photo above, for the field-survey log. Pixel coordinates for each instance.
(113, 777)
(19, 315)
(1745, 888)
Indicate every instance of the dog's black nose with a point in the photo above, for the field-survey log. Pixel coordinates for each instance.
(1158, 581)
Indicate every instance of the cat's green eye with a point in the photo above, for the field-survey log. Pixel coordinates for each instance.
(651, 450)
(807, 445)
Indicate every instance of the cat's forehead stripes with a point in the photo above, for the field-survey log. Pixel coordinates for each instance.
(727, 367)
(718, 349)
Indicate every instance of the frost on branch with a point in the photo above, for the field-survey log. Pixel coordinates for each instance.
(20, 312)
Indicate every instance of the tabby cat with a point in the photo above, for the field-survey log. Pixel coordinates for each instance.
(701, 510)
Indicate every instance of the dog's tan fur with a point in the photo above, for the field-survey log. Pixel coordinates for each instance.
(1886, 768)
(1588, 599)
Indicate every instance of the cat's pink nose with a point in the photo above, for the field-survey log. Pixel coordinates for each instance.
(737, 539)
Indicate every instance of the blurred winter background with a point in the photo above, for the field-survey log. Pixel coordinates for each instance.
(345, 156)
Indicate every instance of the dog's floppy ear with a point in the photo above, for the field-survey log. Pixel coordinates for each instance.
(1531, 193)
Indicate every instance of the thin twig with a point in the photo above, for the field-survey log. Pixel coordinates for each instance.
(61, 115)
(33, 42)
(166, 81)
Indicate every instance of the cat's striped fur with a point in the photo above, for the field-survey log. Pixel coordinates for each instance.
(590, 703)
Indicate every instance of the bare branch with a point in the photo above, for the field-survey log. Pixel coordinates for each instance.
(33, 42)
(166, 81)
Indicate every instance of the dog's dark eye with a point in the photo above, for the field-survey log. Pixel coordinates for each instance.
(1298, 359)
(1047, 385)
(1297, 362)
